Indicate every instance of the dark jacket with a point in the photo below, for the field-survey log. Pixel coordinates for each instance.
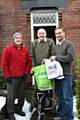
(65, 55)
(40, 51)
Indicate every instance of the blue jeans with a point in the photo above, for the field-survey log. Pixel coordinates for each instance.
(63, 89)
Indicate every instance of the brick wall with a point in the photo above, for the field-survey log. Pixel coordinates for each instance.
(71, 23)
(7, 13)
(12, 19)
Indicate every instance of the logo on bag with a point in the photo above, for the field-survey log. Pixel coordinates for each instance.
(52, 69)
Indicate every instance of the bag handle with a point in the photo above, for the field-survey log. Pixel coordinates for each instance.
(44, 61)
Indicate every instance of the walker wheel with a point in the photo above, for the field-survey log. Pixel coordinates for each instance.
(41, 116)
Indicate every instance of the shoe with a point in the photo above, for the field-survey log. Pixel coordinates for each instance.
(58, 118)
(11, 117)
(21, 113)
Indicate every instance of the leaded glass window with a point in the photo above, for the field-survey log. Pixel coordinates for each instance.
(44, 18)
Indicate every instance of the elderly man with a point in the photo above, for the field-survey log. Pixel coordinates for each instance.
(41, 49)
(16, 65)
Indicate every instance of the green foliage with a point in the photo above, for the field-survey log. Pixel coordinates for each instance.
(2, 81)
(78, 85)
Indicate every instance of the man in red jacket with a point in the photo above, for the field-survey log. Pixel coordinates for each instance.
(16, 65)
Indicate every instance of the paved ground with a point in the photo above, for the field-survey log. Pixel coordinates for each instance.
(49, 114)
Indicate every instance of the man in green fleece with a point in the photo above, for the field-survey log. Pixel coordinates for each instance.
(63, 88)
(41, 48)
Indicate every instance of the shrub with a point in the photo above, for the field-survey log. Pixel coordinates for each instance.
(78, 85)
(2, 81)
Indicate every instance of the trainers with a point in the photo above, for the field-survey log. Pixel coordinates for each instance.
(21, 113)
(11, 117)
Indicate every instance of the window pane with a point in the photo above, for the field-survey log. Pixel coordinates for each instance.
(42, 18)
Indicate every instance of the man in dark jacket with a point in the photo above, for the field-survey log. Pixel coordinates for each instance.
(16, 65)
(41, 49)
(64, 53)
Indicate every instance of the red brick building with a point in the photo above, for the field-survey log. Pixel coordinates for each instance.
(27, 16)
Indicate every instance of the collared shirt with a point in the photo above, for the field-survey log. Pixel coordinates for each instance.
(42, 40)
(59, 43)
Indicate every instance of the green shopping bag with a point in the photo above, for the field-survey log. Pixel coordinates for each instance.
(41, 78)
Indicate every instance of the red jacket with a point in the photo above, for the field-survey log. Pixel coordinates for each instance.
(16, 62)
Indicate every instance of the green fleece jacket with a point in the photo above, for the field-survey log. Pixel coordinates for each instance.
(41, 50)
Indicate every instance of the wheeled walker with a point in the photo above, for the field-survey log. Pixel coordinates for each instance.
(44, 92)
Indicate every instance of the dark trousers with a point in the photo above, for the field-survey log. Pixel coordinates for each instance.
(15, 90)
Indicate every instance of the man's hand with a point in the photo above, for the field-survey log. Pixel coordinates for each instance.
(9, 80)
(53, 58)
(24, 77)
(32, 71)
(44, 60)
